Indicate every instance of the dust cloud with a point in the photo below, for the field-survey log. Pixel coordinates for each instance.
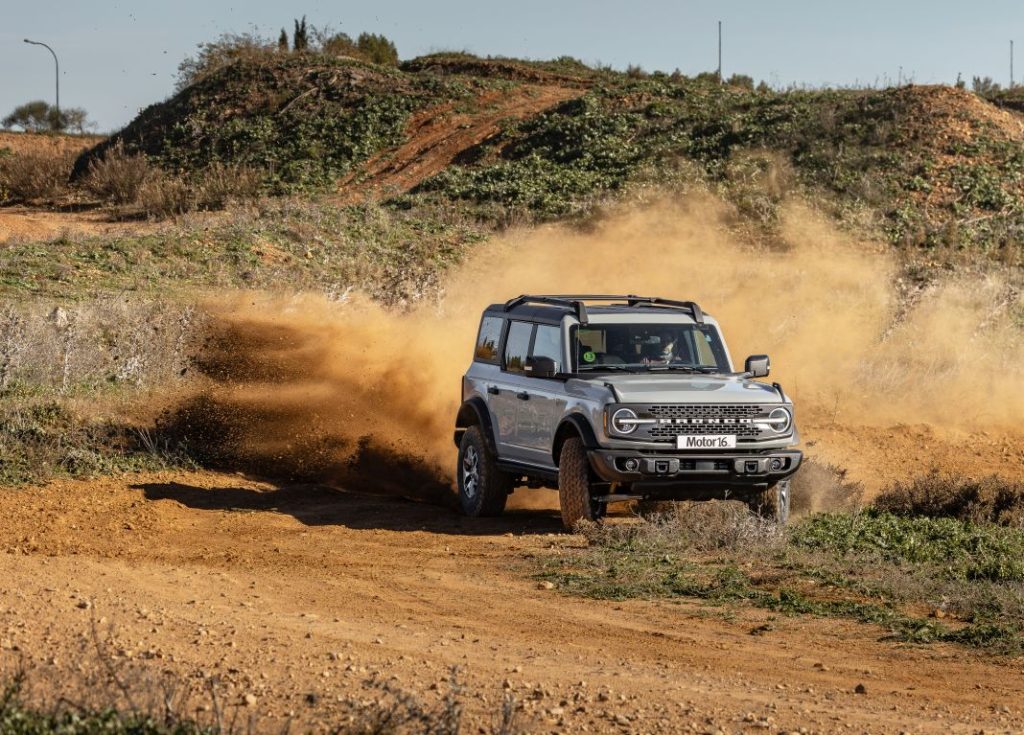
(351, 392)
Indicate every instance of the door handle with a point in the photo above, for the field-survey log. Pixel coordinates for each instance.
(493, 390)
(524, 396)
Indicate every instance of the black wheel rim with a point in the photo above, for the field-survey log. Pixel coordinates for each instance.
(470, 472)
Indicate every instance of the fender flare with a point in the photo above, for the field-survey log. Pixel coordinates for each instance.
(474, 413)
(573, 425)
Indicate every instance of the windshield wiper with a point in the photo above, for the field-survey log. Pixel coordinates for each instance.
(703, 369)
(613, 366)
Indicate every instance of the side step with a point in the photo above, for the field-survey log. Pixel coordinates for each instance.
(616, 498)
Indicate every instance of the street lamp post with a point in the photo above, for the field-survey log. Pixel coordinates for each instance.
(56, 64)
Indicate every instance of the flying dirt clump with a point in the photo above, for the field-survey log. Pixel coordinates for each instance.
(349, 392)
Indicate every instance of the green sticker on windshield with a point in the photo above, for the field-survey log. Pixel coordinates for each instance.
(589, 356)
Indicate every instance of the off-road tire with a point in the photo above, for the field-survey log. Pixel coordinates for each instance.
(772, 504)
(574, 485)
(483, 488)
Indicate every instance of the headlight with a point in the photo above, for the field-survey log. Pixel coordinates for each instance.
(624, 421)
(780, 420)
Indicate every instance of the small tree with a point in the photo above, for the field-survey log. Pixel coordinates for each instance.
(31, 116)
(984, 86)
(38, 116)
(300, 37)
(339, 44)
(282, 41)
(377, 49)
(742, 81)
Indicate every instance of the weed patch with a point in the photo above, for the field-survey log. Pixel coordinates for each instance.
(871, 567)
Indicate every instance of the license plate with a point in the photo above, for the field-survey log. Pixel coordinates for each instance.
(711, 441)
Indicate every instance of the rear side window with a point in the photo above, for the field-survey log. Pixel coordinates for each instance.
(517, 346)
(488, 339)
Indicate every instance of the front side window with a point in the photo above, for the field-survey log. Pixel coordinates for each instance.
(517, 346)
(685, 347)
(548, 343)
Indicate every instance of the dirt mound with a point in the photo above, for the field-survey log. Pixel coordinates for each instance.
(302, 118)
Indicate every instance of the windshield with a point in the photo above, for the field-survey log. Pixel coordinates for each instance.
(685, 347)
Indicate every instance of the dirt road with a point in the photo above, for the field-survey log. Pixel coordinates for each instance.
(296, 595)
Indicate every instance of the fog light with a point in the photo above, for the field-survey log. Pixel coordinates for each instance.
(631, 464)
(777, 464)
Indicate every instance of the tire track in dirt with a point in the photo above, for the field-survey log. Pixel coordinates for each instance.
(437, 135)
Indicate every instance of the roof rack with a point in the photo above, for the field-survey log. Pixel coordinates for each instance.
(577, 303)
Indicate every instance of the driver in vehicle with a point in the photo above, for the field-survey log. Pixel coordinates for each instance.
(664, 352)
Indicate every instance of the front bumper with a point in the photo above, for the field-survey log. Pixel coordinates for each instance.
(706, 470)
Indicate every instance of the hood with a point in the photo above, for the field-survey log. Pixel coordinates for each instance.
(662, 388)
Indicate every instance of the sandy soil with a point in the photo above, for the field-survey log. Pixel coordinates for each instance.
(296, 595)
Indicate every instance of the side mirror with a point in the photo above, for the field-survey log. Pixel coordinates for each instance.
(542, 367)
(758, 366)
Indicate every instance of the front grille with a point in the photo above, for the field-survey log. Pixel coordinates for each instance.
(701, 420)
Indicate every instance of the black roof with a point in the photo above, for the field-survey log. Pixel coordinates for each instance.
(551, 308)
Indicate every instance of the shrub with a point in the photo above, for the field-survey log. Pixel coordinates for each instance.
(221, 183)
(118, 176)
(992, 500)
(34, 175)
(216, 55)
(163, 195)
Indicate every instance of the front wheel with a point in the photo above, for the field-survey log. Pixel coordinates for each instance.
(773, 503)
(483, 488)
(574, 485)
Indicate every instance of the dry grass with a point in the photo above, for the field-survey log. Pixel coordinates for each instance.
(221, 184)
(39, 176)
(118, 176)
(162, 196)
(991, 500)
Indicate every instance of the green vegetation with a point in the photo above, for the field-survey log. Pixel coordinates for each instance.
(303, 120)
(872, 567)
(391, 254)
(42, 439)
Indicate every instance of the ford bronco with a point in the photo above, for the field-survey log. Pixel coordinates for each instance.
(616, 398)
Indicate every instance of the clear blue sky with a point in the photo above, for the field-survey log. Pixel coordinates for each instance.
(117, 57)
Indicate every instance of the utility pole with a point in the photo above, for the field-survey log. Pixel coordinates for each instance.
(1011, 63)
(56, 64)
(719, 52)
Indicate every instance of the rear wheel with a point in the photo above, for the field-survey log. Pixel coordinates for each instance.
(575, 485)
(483, 488)
(772, 504)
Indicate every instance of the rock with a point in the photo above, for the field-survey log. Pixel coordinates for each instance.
(860, 689)
(622, 720)
(249, 700)
(84, 604)
(545, 585)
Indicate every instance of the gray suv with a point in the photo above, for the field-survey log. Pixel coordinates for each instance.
(614, 398)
